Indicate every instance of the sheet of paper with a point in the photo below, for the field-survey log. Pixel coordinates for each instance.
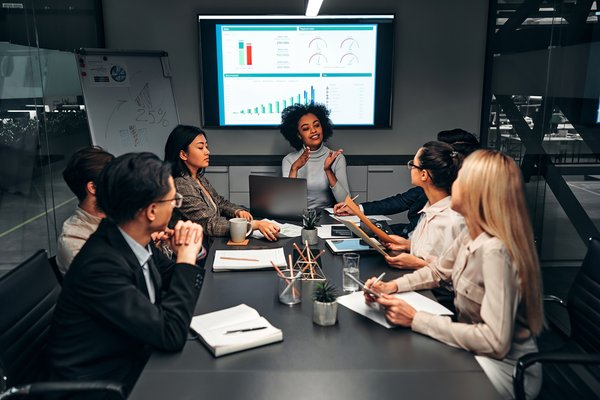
(286, 230)
(351, 218)
(248, 259)
(379, 217)
(422, 303)
(356, 302)
(324, 231)
(356, 219)
(222, 318)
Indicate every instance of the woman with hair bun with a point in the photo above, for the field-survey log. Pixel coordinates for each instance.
(433, 169)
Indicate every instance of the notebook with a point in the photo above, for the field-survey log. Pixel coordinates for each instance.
(234, 329)
(247, 260)
(277, 197)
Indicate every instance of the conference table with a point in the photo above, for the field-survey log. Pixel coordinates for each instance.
(354, 359)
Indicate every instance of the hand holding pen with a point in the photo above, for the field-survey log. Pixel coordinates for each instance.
(376, 285)
(341, 208)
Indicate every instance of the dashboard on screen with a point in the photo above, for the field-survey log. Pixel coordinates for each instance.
(254, 67)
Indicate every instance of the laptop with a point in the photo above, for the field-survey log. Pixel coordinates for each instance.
(277, 197)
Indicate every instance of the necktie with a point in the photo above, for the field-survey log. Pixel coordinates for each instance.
(148, 279)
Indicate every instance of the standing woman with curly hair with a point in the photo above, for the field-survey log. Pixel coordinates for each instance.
(307, 128)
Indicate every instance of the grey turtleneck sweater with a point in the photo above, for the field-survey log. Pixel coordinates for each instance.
(320, 194)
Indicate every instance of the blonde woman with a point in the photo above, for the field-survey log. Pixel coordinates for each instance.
(494, 270)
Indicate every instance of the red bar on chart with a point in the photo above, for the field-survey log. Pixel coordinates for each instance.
(248, 53)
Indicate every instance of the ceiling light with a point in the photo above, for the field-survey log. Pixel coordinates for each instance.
(312, 9)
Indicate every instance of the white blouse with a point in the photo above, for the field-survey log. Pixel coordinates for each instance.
(437, 229)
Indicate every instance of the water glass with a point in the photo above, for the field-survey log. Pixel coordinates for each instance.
(351, 266)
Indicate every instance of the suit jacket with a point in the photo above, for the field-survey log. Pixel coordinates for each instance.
(413, 200)
(104, 324)
(197, 208)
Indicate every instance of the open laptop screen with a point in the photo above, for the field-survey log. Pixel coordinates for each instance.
(277, 197)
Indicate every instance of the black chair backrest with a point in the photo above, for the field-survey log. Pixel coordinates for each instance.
(57, 273)
(28, 295)
(584, 301)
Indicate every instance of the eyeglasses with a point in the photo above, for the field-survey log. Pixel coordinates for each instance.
(411, 164)
(177, 201)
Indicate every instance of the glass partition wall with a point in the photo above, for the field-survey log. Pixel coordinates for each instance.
(541, 106)
(42, 121)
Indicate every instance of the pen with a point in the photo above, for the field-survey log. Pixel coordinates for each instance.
(258, 328)
(378, 279)
(344, 205)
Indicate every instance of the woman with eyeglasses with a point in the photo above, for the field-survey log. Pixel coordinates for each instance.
(495, 272)
(433, 169)
(187, 151)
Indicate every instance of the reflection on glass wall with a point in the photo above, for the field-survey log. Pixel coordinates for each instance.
(543, 109)
(42, 121)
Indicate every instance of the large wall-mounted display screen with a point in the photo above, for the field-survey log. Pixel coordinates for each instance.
(254, 67)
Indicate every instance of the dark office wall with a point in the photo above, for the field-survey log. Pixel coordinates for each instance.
(439, 63)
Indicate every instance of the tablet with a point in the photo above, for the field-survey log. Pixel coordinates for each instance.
(353, 245)
(361, 284)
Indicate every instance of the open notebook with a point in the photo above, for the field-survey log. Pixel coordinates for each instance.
(234, 329)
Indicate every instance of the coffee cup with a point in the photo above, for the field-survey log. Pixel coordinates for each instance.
(239, 229)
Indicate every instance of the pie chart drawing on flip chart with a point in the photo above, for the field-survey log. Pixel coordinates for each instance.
(128, 98)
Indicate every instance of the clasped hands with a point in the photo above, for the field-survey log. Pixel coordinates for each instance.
(397, 311)
(185, 240)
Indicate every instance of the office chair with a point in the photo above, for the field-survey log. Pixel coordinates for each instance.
(572, 371)
(55, 270)
(28, 295)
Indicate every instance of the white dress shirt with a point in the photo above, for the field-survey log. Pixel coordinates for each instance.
(143, 254)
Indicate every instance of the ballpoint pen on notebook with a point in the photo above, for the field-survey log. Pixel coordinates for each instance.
(246, 330)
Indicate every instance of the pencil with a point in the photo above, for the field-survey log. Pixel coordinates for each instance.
(299, 252)
(239, 259)
(278, 270)
(319, 255)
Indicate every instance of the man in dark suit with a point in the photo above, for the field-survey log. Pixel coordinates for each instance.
(122, 297)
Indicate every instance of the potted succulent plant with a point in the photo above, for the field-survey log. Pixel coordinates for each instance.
(310, 219)
(325, 303)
